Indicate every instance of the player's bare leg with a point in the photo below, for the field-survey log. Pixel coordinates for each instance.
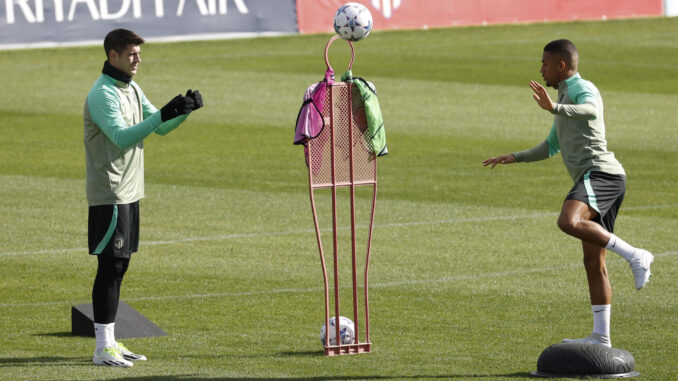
(596, 273)
(576, 219)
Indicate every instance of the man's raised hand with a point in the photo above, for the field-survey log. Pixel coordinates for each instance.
(541, 96)
(196, 97)
(179, 105)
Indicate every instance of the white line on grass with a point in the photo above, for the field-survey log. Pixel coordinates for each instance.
(411, 282)
(305, 231)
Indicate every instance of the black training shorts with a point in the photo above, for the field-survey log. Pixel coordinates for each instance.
(603, 192)
(114, 229)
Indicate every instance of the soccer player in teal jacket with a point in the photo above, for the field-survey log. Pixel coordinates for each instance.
(590, 209)
(117, 117)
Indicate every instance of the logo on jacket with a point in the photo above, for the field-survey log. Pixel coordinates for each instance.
(386, 7)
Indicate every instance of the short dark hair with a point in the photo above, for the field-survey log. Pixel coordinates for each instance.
(118, 39)
(565, 50)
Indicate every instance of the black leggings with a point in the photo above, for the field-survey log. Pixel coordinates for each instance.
(106, 290)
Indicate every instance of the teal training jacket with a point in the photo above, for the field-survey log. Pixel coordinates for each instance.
(578, 132)
(117, 117)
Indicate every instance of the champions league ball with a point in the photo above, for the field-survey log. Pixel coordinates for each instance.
(353, 21)
(346, 331)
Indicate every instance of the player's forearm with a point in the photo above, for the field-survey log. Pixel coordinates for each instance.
(166, 127)
(127, 137)
(584, 111)
(536, 153)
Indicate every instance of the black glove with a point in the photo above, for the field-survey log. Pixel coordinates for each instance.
(180, 105)
(197, 98)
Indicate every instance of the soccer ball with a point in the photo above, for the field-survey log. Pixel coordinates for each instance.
(346, 331)
(353, 21)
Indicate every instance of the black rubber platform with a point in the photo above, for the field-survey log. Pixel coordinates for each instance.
(128, 322)
(577, 360)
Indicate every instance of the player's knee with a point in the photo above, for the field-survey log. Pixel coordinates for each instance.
(567, 224)
(112, 269)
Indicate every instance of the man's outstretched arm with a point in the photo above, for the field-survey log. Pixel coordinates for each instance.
(504, 159)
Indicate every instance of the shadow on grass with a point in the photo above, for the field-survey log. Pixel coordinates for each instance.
(329, 378)
(303, 353)
(87, 362)
(57, 334)
(43, 361)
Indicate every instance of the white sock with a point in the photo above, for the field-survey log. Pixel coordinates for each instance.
(601, 319)
(620, 247)
(104, 334)
(111, 329)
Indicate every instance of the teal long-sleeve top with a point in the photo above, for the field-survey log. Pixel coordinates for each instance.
(577, 133)
(117, 117)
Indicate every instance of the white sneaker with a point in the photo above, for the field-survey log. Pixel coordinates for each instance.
(110, 356)
(640, 266)
(128, 355)
(594, 338)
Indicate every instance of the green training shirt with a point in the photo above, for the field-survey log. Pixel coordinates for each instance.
(578, 132)
(117, 117)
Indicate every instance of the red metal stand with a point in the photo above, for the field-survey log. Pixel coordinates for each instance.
(340, 157)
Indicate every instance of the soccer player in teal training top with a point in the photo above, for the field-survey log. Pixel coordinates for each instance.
(117, 117)
(590, 209)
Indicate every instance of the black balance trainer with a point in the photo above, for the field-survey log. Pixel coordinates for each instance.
(579, 360)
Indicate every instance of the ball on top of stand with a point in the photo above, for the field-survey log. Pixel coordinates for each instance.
(353, 21)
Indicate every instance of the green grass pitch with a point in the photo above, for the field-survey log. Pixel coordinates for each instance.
(470, 276)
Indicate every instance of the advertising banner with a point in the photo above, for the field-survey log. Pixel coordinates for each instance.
(671, 8)
(315, 16)
(46, 22)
